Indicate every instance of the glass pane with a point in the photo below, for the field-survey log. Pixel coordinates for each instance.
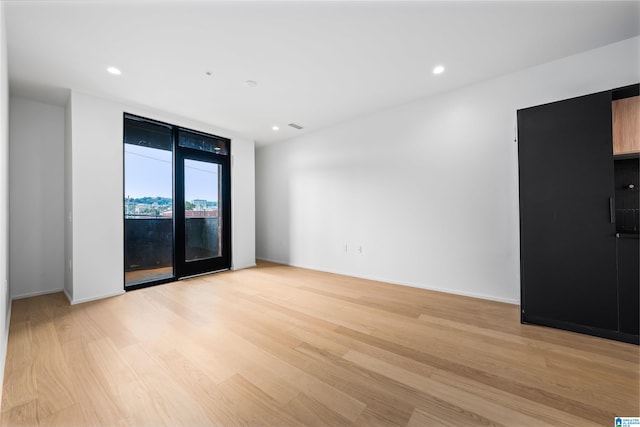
(202, 142)
(148, 203)
(202, 223)
(147, 134)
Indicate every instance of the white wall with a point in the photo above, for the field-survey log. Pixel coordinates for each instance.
(68, 205)
(429, 190)
(96, 183)
(36, 197)
(243, 201)
(5, 301)
(95, 260)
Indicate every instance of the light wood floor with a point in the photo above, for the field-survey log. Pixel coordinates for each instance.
(282, 346)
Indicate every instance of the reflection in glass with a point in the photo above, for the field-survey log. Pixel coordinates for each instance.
(202, 204)
(198, 141)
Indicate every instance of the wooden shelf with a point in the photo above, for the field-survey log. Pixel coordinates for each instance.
(626, 125)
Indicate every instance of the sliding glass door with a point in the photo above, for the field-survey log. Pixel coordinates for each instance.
(203, 229)
(176, 203)
(148, 202)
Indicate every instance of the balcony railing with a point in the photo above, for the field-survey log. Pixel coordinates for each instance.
(149, 241)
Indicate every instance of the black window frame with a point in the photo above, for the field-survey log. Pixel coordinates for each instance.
(182, 269)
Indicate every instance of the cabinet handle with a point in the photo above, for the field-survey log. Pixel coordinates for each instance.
(612, 210)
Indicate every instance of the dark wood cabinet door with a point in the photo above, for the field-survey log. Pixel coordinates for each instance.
(567, 235)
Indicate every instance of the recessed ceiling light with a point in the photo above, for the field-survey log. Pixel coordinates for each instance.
(114, 71)
(275, 127)
(251, 83)
(438, 70)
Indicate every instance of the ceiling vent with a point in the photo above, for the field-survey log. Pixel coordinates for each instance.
(295, 126)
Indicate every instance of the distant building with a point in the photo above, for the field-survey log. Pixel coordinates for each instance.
(211, 213)
(200, 204)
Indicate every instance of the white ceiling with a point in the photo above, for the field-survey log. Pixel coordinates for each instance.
(316, 63)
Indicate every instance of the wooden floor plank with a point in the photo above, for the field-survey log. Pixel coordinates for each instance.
(170, 402)
(19, 377)
(96, 400)
(55, 389)
(285, 346)
(421, 418)
(202, 386)
(312, 413)
(22, 415)
(470, 401)
(254, 405)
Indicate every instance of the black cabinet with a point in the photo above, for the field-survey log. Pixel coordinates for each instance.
(628, 279)
(568, 242)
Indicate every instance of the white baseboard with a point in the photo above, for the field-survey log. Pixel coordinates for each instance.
(392, 282)
(81, 300)
(242, 267)
(275, 261)
(36, 293)
(66, 294)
